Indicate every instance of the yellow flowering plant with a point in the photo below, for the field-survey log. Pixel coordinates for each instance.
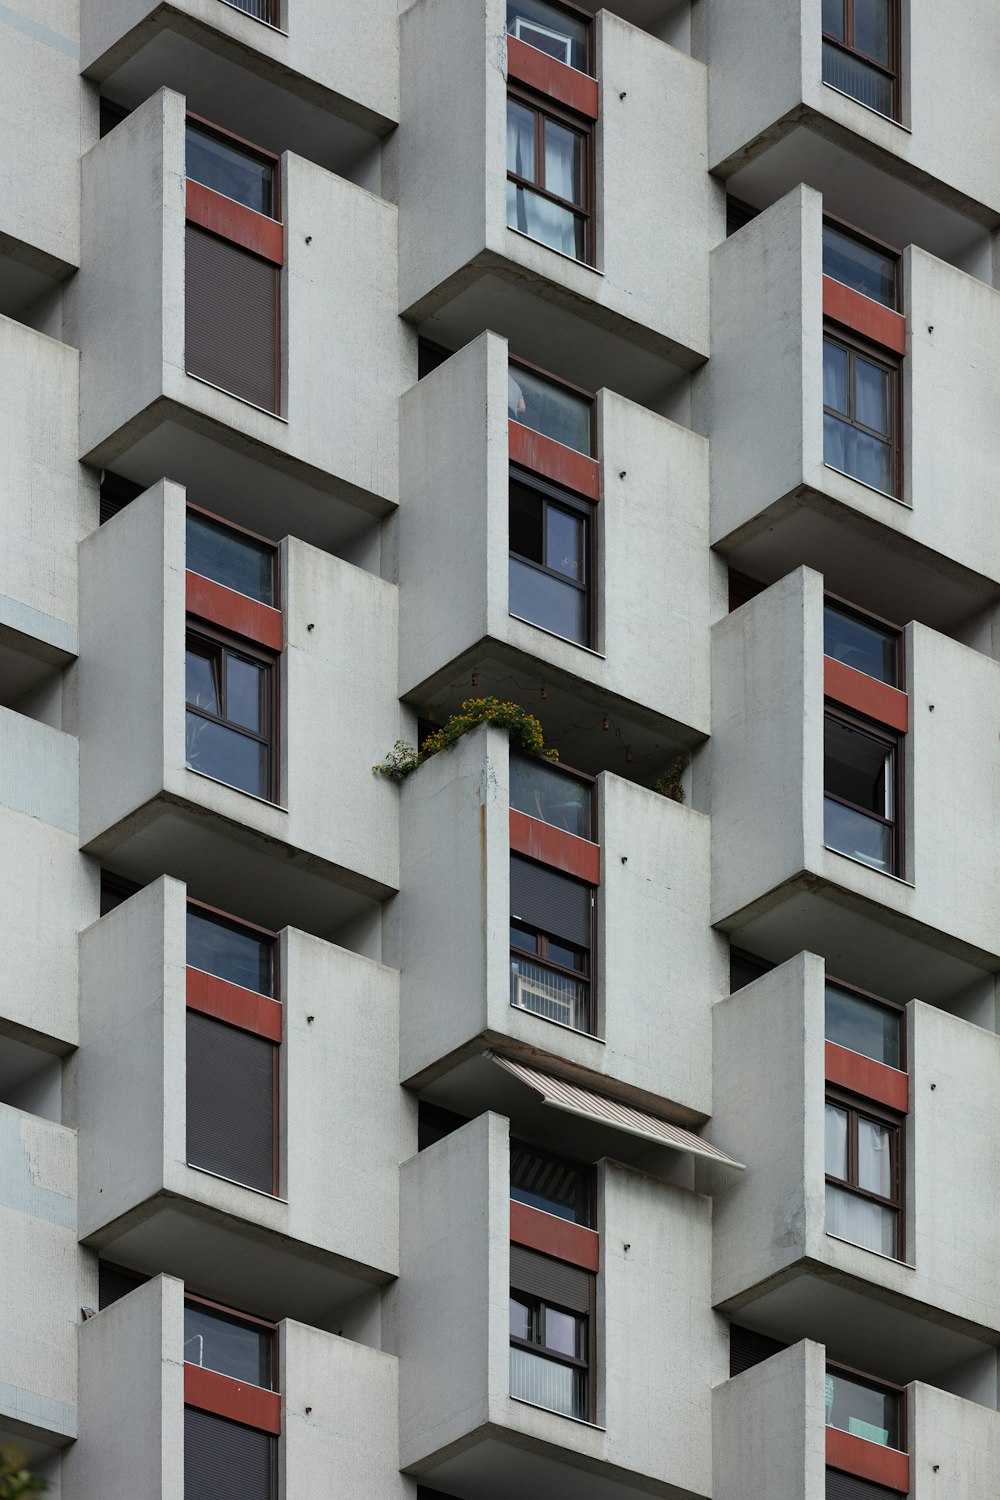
(524, 729)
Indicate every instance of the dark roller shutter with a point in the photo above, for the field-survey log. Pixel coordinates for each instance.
(225, 1461)
(231, 318)
(230, 1102)
(747, 1348)
(849, 1487)
(552, 1280)
(554, 903)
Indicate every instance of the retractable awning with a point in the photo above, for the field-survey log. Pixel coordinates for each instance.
(575, 1100)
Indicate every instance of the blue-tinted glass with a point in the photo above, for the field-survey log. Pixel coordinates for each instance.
(201, 686)
(226, 169)
(833, 18)
(235, 1349)
(863, 1410)
(543, 220)
(229, 558)
(872, 386)
(230, 953)
(244, 695)
(835, 376)
(858, 767)
(549, 28)
(227, 755)
(546, 601)
(866, 648)
(548, 408)
(521, 139)
(564, 543)
(858, 454)
(843, 71)
(862, 1026)
(861, 267)
(857, 835)
(871, 29)
(550, 795)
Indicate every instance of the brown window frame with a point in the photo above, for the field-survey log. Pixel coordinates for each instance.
(540, 955)
(563, 499)
(580, 14)
(856, 1108)
(227, 919)
(236, 1315)
(545, 108)
(582, 1364)
(892, 70)
(590, 782)
(896, 1006)
(869, 617)
(246, 148)
(225, 643)
(854, 232)
(862, 1377)
(253, 536)
(894, 741)
(841, 337)
(567, 385)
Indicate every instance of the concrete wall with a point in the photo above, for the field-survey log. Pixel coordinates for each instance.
(132, 1382)
(769, 1429)
(42, 1286)
(954, 1446)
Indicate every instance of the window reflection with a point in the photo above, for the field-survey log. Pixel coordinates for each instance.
(552, 796)
(861, 644)
(230, 558)
(225, 168)
(225, 1344)
(549, 408)
(552, 30)
(230, 952)
(862, 1025)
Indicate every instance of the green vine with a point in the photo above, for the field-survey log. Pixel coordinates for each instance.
(670, 783)
(524, 729)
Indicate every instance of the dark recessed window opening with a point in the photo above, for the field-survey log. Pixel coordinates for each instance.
(241, 1348)
(556, 410)
(861, 793)
(550, 560)
(241, 955)
(548, 176)
(558, 31)
(551, 1183)
(231, 1098)
(554, 796)
(861, 264)
(116, 493)
(864, 1024)
(863, 1176)
(551, 936)
(230, 698)
(231, 557)
(860, 418)
(218, 162)
(862, 642)
(861, 51)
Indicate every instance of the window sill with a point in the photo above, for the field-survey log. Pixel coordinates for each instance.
(872, 487)
(523, 1010)
(276, 415)
(584, 264)
(580, 1421)
(867, 107)
(557, 637)
(264, 801)
(906, 1265)
(887, 874)
(258, 1192)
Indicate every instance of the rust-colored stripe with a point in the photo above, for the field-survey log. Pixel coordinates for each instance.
(247, 617)
(547, 75)
(554, 846)
(543, 455)
(855, 1455)
(234, 1399)
(553, 1236)
(863, 1075)
(874, 699)
(862, 315)
(231, 1002)
(234, 221)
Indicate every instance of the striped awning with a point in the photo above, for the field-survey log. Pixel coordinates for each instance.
(603, 1111)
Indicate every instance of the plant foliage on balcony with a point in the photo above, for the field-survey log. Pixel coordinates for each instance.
(15, 1479)
(524, 729)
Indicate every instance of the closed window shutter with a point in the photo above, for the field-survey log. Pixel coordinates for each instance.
(553, 1280)
(224, 1460)
(747, 1348)
(231, 318)
(554, 903)
(850, 1487)
(230, 1102)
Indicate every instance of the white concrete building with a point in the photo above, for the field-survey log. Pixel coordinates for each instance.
(619, 1123)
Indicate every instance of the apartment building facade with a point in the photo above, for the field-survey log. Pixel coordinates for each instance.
(620, 1121)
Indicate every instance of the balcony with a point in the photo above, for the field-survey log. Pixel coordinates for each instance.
(306, 856)
(645, 498)
(457, 252)
(654, 968)
(326, 462)
(781, 876)
(786, 1257)
(775, 503)
(460, 1426)
(329, 1233)
(335, 1410)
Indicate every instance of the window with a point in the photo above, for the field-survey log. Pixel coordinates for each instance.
(261, 10)
(865, 1408)
(550, 559)
(861, 51)
(863, 1176)
(548, 176)
(864, 1024)
(230, 167)
(554, 30)
(860, 417)
(551, 1320)
(230, 706)
(863, 642)
(226, 1459)
(230, 556)
(218, 1340)
(862, 264)
(550, 1183)
(230, 951)
(840, 1486)
(556, 797)
(860, 793)
(558, 411)
(231, 318)
(550, 942)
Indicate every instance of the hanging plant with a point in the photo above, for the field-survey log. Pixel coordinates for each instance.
(524, 729)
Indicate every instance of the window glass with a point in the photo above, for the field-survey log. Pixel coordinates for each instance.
(230, 558)
(549, 1183)
(852, 76)
(545, 221)
(858, 767)
(861, 644)
(244, 693)
(861, 1221)
(220, 1343)
(875, 1157)
(548, 408)
(552, 30)
(545, 1382)
(547, 577)
(521, 139)
(871, 394)
(201, 675)
(520, 1320)
(547, 993)
(242, 957)
(857, 265)
(858, 836)
(836, 1142)
(563, 162)
(552, 796)
(871, 29)
(835, 377)
(864, 1410)
(226, 169)
(833, 18)
(561, 1332)
(226, 755)
(228, 712)
(862, 1026)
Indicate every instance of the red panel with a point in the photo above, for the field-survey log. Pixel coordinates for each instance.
(864, 316)
(856, 1455)
(874, 699)
(553, 1236)
(543, 455)
(230, 1398)
(232, 611)
(549, 76)
(234, 221)
(231, 1002)
(555, 847)
(863, 1075)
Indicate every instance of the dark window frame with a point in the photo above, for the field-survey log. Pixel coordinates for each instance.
(575, 390)
(540, 955)
(581, 1363)
(876, 1383)
(226, 919)
(237, 646)
(565, 500)
(560, 766)
(869, 617)
(253, 536)
(250, 1320)
(836, 712)
(896, 1006)
(246, 148)
(892, 70)
(842, 338)
(584, 1169)
(581, 14)
(545, 108)
(858, 1107)
(872, 241)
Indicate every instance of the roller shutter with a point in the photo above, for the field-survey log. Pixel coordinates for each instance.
(850, 1487)
(224, 1460)
(554, 903)
(554, 1281)
(231, 318)
(230, 1102)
